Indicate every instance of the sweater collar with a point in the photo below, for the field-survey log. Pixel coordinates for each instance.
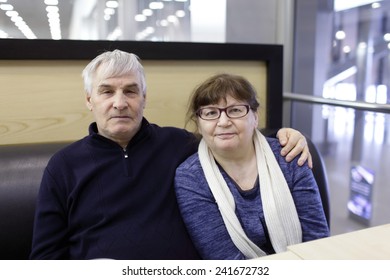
(143, 132)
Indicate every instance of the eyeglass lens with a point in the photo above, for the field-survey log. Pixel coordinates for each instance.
(212, 113)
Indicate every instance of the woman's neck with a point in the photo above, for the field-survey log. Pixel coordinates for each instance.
(241, 167)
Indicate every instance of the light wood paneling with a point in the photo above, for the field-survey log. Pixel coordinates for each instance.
(43, 101)
(170, 84)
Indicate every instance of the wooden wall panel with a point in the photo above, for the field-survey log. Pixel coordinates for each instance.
(43, 100)
(170, 84)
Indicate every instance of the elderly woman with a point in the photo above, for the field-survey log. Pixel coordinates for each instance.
(238, 196)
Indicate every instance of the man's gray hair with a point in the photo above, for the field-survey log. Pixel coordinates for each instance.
(116, 63)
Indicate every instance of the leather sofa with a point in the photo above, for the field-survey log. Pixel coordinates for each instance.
(21, 169)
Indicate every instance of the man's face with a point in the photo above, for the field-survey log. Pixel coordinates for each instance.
(117, 104)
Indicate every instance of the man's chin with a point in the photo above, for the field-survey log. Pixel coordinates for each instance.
(124, 128)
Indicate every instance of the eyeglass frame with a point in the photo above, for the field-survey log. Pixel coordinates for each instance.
(220, 110)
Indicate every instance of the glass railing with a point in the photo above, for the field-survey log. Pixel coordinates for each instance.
(355, 145)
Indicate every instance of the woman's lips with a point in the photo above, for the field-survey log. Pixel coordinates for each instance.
(225, 135)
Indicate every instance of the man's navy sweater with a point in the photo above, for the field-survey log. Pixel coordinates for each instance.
(98, 200)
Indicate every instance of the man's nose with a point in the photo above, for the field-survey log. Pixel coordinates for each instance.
(120, 101)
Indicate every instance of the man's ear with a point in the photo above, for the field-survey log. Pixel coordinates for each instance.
(88, 102)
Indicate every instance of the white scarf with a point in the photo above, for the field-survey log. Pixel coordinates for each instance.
(279, 209)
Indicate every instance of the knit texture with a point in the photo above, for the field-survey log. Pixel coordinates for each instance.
(204, 221)
(280, 213)
(99, 201)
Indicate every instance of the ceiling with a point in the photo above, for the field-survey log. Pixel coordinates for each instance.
(79, 18)
(34, 14)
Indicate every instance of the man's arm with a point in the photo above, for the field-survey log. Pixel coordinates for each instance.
(50, 227)
(294, 144)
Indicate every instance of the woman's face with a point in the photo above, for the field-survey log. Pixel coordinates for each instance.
(228, 134)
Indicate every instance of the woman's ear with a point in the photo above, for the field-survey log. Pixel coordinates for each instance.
(256, 116)
(198, 127)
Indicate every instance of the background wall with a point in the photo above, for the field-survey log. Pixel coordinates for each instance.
(43, 100)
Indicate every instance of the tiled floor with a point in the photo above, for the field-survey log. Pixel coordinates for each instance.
(375, 156)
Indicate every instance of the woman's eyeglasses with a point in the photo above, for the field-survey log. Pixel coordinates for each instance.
(213, 113)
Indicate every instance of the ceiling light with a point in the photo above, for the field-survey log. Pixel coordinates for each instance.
(164, 22)
(149, 30)
(140, 17)
(180, 13)
(147, 12)
(156, 5)
(340, 35)
(51, 2)
(16, 19)
(112, 4)
(362, 45)
(172, 18)
(6, 7)
(347, 49)
(109, 11)
(52, 9)
(23, 27)
(53, 17)
(11, 13)
(387, 37)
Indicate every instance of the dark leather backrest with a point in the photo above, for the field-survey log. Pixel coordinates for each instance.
(21, 169)
(319, 171)
(320, 174)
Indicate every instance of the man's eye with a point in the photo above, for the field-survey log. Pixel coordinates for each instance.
(106, 91)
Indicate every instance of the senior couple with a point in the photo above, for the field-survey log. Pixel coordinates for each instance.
(134, 190)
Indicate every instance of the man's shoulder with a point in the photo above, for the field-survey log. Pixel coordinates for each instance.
(171, 132)
(72, 149)
(168, 129)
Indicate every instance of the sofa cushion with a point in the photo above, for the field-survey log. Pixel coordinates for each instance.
(21, 169)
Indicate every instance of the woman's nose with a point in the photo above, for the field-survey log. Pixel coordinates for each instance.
(223, 119)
